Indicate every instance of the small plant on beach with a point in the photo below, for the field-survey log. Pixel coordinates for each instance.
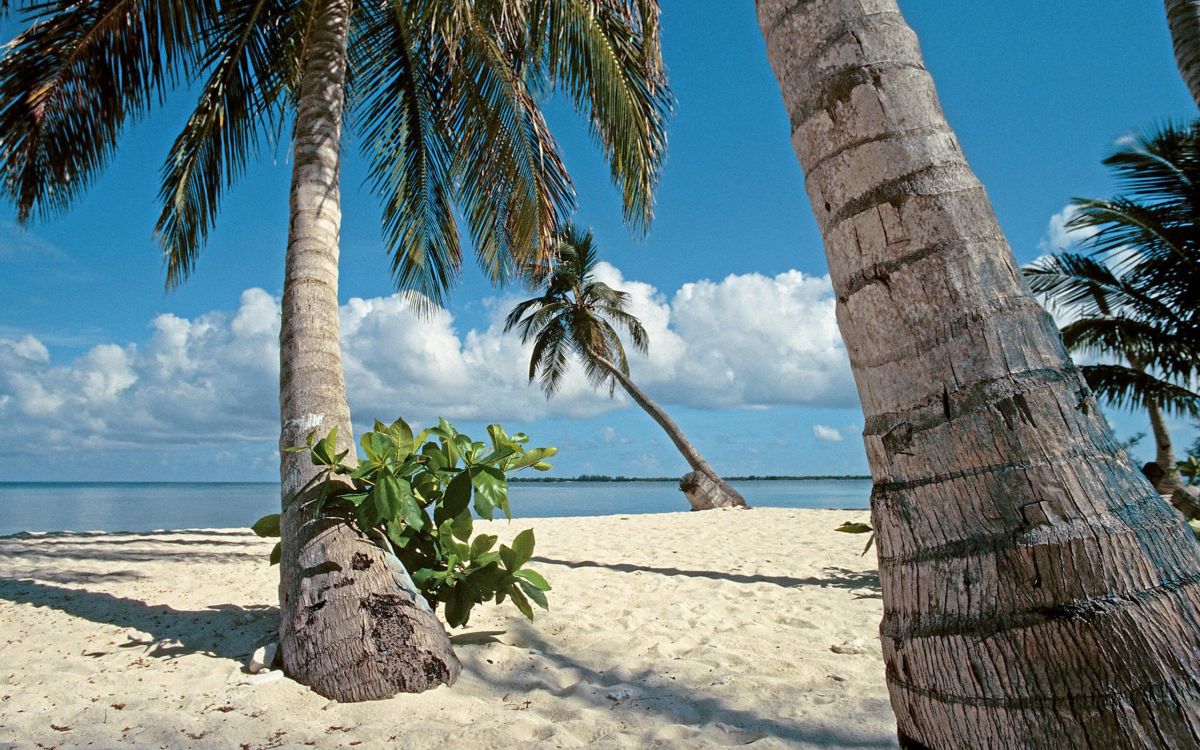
(413, 495)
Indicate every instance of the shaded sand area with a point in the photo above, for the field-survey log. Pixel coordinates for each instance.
(673, 630)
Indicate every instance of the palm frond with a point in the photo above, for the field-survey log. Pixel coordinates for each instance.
(1125, 387)
(404, 138)
(240, 105)
(72, 80)
(513, 184)
(606, 58)
(1088, 287)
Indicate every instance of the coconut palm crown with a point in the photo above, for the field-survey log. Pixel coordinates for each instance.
(579, 315)
(1132, 297)
(444, 97)
(576, 315)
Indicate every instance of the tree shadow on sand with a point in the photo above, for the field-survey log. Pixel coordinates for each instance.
(225, 631)
(676, 703)
(841, 578)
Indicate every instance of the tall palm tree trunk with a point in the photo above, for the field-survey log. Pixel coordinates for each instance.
(1164, 453)
(352, 626)
(703, 495)
(1037, 592)
(1183, 18)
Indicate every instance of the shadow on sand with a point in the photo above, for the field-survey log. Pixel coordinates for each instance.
(841, 578)
(677, 703)
(223, 630)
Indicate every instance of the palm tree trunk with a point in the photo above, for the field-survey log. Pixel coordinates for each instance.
(352, 626)
(1164, 452)
(1037, 592)
(720, 494)
(1183, 18)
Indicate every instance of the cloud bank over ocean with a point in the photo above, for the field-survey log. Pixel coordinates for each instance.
(743, 342)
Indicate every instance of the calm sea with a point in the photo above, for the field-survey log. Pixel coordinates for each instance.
(105, 506)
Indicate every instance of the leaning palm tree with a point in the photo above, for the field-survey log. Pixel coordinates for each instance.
(1134, 296)
(578, 315)
(445, 97)
(1183, 19)
(1037, 592)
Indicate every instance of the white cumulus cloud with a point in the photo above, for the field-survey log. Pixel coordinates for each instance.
(1059, 237)
(743, 342)
(827, 434)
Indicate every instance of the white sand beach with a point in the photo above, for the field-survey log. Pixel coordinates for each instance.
(671, 630)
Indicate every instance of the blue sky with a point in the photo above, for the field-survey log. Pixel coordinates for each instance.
(106, 377)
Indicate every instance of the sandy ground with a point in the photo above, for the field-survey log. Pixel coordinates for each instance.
(674, 630)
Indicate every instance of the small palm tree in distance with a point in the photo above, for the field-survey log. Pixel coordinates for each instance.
(578, 316)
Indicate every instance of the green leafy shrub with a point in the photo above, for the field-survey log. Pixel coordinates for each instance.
(413, 497)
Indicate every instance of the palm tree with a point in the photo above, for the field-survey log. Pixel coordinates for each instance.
(1134, 297)
(1183, 18)
(445, 98)
(576, 316)
(1037, 592)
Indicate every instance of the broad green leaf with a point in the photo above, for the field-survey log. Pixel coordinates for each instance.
(387, 494)
(491, 490)
(383, 446)
(522, 549)
(457, 608)
(425, 487)
(499, 436)
(456, 499)
(410, 508)
(534, 593)
(535, 456)
(463, 445)
(486, 580)
(324, 449)
(850, 527)
(870, 541)
(522, 603)
(276, 553)
(533, 577)
(400, 536)
(462, 526)
(436, 459)
(266, 526)
(422, 577)
(497, 455)
(482, 544)
(450, 449)
(402, 434)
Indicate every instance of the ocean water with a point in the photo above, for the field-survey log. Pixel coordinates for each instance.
(145, 506)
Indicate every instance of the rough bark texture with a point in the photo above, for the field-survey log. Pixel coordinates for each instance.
(1164, 452)
(1186, 500)
(703, 493)
(352, 627)
(1183, 18)
(703, 487)
(1037, 591)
